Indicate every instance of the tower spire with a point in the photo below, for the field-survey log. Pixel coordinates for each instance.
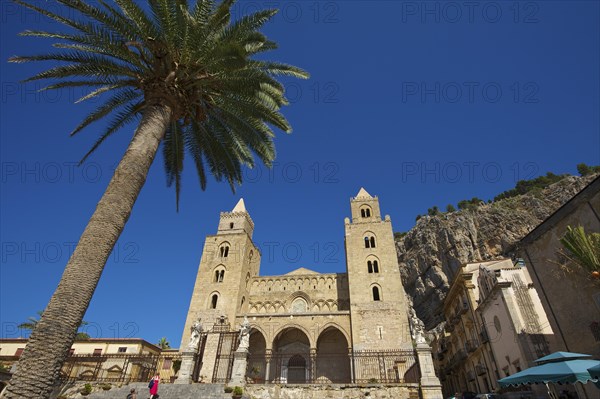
(363, 193)
(239, 207)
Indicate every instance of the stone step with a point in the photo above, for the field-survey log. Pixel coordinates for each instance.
(167, 391)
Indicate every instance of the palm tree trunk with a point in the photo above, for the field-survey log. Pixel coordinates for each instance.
(38, 369)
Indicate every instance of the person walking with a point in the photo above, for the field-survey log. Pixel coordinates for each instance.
(132, 394)
(153, 385)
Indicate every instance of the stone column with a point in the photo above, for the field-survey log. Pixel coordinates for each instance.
(268, 353)
(240, 364)
(188, 361)
(312, 376)
(431, 388)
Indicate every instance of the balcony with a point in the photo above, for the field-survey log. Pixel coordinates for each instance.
(480, 369)
(461, 309)
(484, 335)
(471, 345)
(471, 375)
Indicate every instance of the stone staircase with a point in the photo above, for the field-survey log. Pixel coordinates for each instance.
(167, 391)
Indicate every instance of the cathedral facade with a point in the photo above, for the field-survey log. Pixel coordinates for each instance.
(305, 326)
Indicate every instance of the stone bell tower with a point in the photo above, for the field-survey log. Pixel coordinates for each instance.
(378, 308)
(229, 260)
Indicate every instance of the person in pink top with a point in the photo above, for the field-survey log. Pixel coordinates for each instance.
(154, 386)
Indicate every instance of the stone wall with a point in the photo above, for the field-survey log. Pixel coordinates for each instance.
(332, 391)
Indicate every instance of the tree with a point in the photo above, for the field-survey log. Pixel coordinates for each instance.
(450, 208)
(584, 249)
(433, 211)
(585, 170)
(190, 74)
(163, 343)
(32, 322)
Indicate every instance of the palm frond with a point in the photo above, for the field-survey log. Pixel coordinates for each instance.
(191, 56)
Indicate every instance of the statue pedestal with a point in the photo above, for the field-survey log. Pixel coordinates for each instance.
(431, 388)
(188, 361)
(240, 364)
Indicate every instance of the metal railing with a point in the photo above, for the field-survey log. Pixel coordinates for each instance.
(315, 368)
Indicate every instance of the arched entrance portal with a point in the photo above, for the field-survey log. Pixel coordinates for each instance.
(257, 364)
(333, 363)
(291, 357)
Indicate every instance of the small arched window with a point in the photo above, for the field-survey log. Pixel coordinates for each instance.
(213, 301)
(376, 294)
(370, 266)
(224, 251)
(375, 267)
(243, 300)
(231, 225)
(219, 275)
(365, 212)
(370, 242)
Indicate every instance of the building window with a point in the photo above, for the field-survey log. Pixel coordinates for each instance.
(376, 294)
(243, 300)
(370, 242)
(97, 352)
(517, 365)
(373, 266)
(231, 225)
(213, 301)
(365, 212)
(167, 364)
(219, 276)
(224, 251)
(497, 324)
(299, 305)
(19, 352)
(122, 349)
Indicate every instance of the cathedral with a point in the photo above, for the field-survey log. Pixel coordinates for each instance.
(305, 326)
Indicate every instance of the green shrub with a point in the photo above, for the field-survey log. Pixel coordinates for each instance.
(228, 389)
(238, 391)
(87, 389)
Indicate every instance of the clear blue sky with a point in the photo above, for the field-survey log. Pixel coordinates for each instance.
(422, 103)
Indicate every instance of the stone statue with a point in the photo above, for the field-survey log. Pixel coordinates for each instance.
(244, 334)
(196, 330)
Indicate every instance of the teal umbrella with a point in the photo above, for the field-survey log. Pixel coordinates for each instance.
(567, 371)
(595, 373)
(560, 356)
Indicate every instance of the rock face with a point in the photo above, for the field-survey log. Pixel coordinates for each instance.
(431, 252)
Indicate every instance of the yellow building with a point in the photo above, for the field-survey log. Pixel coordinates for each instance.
(98, 359)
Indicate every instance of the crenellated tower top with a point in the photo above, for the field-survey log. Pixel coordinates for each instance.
(236, 221)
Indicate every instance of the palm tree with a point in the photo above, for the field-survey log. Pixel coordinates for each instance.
(163, 343)
(190, 74)
(583, 249)
(32, 322)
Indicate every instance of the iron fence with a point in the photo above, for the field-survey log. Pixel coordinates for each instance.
(109, 368)
(314, 368)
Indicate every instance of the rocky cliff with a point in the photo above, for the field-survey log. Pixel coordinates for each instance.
(431, 252)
